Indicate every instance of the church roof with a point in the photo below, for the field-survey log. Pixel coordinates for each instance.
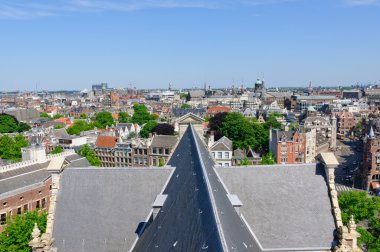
(103, 209)
(286, 206)
(282, 207)
(197, 214)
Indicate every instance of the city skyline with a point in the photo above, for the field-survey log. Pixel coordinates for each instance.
(74, 44)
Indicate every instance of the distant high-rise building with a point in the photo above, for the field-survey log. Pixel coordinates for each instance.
(99, 87)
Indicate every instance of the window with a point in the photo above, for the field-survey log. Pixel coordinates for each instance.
(135, 160)
(284, 148)
(3, 218)
(154, 162)
(159, 150)
(166, 151)
(4, 203)
(213, 154)
(21, 198)
(226, 164)
(50, 187)
(25, 207)
(145, 161)
(43, 203)
(284, 159)
(227, 155)
(219, 155)
(19, 211)
(38, 204)
(154, 150)
(145, 152)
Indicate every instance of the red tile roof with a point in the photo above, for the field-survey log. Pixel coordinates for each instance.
(106, 142)
(218, 109)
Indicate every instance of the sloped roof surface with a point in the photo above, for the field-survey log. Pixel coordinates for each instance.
(197, 214)
(106, 142)
(22, 178)
(60, 133)
(286, 206)
(100, 209)
(164, 141)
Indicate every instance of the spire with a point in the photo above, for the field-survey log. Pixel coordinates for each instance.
(351, 224)
(371, 134)
(36, 241)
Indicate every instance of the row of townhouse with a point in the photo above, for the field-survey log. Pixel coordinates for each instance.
(136, 152)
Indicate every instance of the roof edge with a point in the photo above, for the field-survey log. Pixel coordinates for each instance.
(209, 192)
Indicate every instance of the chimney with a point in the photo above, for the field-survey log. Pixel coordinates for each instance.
(158, 204)
(235, 201)
(211, 139)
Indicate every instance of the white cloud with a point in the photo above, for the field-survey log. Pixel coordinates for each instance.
(19, 9)
(361, 2)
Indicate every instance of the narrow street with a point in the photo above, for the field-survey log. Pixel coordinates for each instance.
(349, 155)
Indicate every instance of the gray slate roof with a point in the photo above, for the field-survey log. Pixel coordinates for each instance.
(197, 214)
(164, 141)
(22, 178)
(100, 209)
(178, 112)
(60, 133)
(286, 206)
(223, 144)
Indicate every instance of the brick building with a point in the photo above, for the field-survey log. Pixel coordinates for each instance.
(105, 150)
(27, 185)
(288, 147)
(346, 122)
(370, 170)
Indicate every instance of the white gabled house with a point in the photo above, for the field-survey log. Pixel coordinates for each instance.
(221, 150)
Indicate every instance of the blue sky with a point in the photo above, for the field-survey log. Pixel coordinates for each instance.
(71, 44)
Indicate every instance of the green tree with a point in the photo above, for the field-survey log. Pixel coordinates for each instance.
(148, 127)
(245, 161)
(124, 117)
(83, 116)
(58, 126)
(358, 205)
(43, 114)
(57, 150)
(154, 117)
(89, 154)
(161, 162)
(104, 119)
(18, 231)
(23, 127)
(141, 114)
(183, 96)
(79, 126)
(57, 116)
(268, 159)
(132, 135)
(164, 129)
(294, 125)
(260, 140)
(186, 106)
(272, 121)
(10, 148)
(8, 123)
(238, 130)
(358, 128)
(215, 124)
